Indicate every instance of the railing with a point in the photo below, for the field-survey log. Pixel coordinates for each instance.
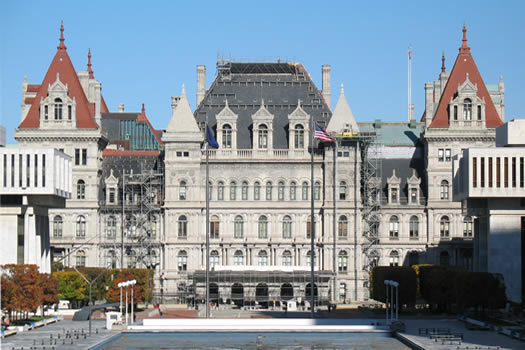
(257, 154)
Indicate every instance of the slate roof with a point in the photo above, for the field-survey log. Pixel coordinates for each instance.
(280, 85)
(464, 66)
(404, 168)
(394, 133)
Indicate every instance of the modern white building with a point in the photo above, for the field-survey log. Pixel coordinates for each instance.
(32, 180)
(490, 183)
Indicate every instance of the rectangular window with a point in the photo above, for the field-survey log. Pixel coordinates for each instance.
(20, 158)
(179, 154)
(186, 154)
(490, 171)
(441, 155)
(413, 195)
(506, 171)
(455, 112)
(43, 170)
(513, 171)
(12, 170)
(482, 171)
(28, 171)
(84, 156)
(5, 170)
(498, 172)
(394, 195)
(447, 155)
(46, 112)
(474, 172)
(479, 112)
(77, 156)
(521, 172)
(112, 195)
(36, 170)
(69, 112)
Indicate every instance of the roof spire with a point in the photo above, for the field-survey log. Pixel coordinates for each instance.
(90, 71)
(443, 62)
(464, 49)
(342, 89)
(143, 110)
(61, 46)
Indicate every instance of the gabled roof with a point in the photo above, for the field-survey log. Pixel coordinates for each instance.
(464, 66)
(62, 66)
(342, 116)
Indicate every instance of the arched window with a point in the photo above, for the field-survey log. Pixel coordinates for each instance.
(226, 136)
(467, 109)
(182, 261)
(293, 190)
(81, 226)
(342, 228)
(444, 189)
(214, 227)
(183, 226)
(111, 227)
(269, 191)
(299, 136)
(342, 190)
(182, 191)
(263, 227)
(394, 258)
(131, 258)
(220, 191)
(444, 258)
(280, 191)
(467, 226)
(58, 109)
(81, 189)
(57, 226)
(80, 258)
(238, 227)
(233, 190)
(342, 261)
(287, 227)
(244, 191)
(305, 191)
(256, 191)
(111, 259)
(317, 190)
(262, 258)
(238, 258)
(414, 227)
(444, 227)
(263, 136)
(214, 258)
(210, 190)
(394, 227)
(309, 259)
(287, 258)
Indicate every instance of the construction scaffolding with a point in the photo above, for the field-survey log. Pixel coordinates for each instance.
(251, 287)
(139, 212)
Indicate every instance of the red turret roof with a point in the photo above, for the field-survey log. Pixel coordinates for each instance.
(464, 65)
(62, 66)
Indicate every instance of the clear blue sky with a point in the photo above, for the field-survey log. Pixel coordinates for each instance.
(142, 51)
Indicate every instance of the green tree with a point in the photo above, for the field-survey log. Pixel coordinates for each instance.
(71, 286)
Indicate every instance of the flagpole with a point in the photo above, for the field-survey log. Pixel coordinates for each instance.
(207, 226)
(312, 221)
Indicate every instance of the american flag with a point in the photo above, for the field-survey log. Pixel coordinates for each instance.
(321, 134)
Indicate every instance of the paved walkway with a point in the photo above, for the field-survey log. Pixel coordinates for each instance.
(63, 335)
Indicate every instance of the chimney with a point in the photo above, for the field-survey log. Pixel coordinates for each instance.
(411, 112)
(201, 83)
(429, 103)
(121, 107)
(326, 84)
(98, 103)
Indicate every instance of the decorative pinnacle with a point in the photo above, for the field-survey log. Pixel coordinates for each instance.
(90, 71)
(143, 109)
(61, 46)
(183, 93)
(443, 62)
(464, 47)
(342, 89)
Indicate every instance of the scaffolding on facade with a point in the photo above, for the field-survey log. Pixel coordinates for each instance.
(139, 212)
(370, 191)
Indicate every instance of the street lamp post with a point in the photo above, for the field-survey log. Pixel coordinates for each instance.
(120, 286)
(126, 284)
(132, 284)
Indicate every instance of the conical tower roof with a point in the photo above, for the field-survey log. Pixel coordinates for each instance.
(342, 118)
(182, 126)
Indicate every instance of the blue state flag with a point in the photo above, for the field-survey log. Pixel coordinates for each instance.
(210, 139)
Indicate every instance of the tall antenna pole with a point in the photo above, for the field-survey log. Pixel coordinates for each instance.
(207, 228)
(312, 221)
(410, 83)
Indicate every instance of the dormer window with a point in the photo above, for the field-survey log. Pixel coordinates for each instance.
(226, 136)
(46, 112)
(467, 109)
(58, 109)
(69, 112)
(479, 112)
(263, 136)
(299, 136)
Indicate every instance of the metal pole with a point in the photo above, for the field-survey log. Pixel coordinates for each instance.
(123, 221)
(356, 216)
(207, 226)
(334, 221)
(391, 302)
(397, 303)
(386, 303)
(120, 285)
(90, 285)
(132, 301)
(312, 221)
(126, 304)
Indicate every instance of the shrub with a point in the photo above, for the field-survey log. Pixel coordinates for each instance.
(405, 276)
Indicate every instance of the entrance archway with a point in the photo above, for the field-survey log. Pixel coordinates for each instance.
(261, 295)
(238, 294)
(308, 293)
(214, 293)
(286, 291)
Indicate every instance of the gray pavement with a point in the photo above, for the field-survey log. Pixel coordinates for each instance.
(63, 335)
